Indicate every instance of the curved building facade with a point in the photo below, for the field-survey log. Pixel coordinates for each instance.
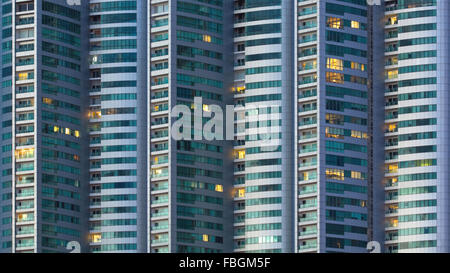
(43, 170)
(263, 92)
(117, 138)
(189, 57)
(416, 126)
(332, 116)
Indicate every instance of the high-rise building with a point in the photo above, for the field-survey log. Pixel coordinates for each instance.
(416, 126)
(332, 115)
(117, 126)
(43, 141)
(263, 159)
(189, 180)
(338, 134)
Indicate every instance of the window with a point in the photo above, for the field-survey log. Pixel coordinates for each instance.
(335, 64)
(355, 24)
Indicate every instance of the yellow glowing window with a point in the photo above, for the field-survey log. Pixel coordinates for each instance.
(94, 114)
(357, 175)
(240, 89)
(333, 22)
(241, 193)
(207, 38)
(392, 181)
(205, 238)
(392, 20)
(393, 168)
(23, 76)
(67, 131)
(56, 129)
(426, 163)
(24, 153)
(206, 108)
(96, 238)
(356, 134)
(392, 127)
(355, 24)
(241, 154)
(77, 133)
(394, 222)
(335, 174)
(47, 100)
(392, 74)
(334, 119)
(219, 188)
(156, 160)
(393, 207)
(334, 77)
(358, 66)
(335, 64)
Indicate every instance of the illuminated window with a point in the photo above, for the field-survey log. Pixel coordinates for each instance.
(77, 133)
(206, 108)
(47, 100)
(393, 222)
(55, 129)
(95, 114)
(238, 89)
(96, 238)
(219, 188)
(355, 24)
(24, 153)
(359, 134)
(334, 174)
(358, 66)
(207, 38)
(67, 131)
(391, 127)
(334, 119)
(391, 182)
(335, 64)
(392, 168)
(205, 238)
(391, 20)
(334, 77)
(392, 74)
(357, 175)
(241, 193)
(333, 22)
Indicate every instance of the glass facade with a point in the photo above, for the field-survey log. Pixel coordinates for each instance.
(42, 143)
(332, 120)
(338, 135)
(262, 88)
(411, 127)
(187, 180)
